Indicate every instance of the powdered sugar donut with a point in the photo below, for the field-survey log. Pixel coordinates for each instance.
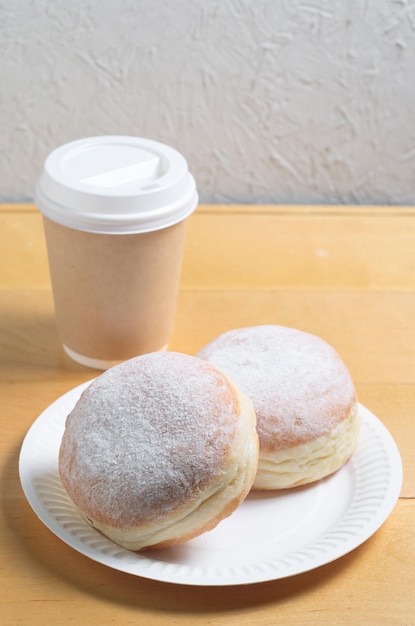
(303, 395)
(159, 449)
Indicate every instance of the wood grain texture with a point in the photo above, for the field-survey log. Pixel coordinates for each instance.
(360, 297)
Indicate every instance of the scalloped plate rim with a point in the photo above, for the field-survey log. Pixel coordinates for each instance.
(92, 544)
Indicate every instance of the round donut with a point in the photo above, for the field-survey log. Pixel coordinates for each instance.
(304, 398)
(159, 449)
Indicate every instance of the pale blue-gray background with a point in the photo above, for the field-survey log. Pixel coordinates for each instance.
(289, 102)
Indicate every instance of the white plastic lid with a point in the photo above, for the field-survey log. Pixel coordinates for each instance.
(116, 185)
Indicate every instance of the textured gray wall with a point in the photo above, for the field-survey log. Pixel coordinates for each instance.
(270, 101)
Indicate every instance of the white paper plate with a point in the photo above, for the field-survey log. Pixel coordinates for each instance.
(271, 535)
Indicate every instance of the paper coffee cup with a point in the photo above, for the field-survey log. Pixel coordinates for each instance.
(114, 211)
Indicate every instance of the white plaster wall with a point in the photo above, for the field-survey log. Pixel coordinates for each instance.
(294, 101)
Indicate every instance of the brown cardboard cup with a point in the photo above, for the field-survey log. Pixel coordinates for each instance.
(114, 213)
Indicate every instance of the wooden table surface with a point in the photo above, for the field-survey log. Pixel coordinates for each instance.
(346, 274)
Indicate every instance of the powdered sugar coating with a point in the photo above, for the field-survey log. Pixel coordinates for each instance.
(146, 437)
(298, 384)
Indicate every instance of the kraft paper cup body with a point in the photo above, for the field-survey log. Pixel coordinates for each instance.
(114, 213)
